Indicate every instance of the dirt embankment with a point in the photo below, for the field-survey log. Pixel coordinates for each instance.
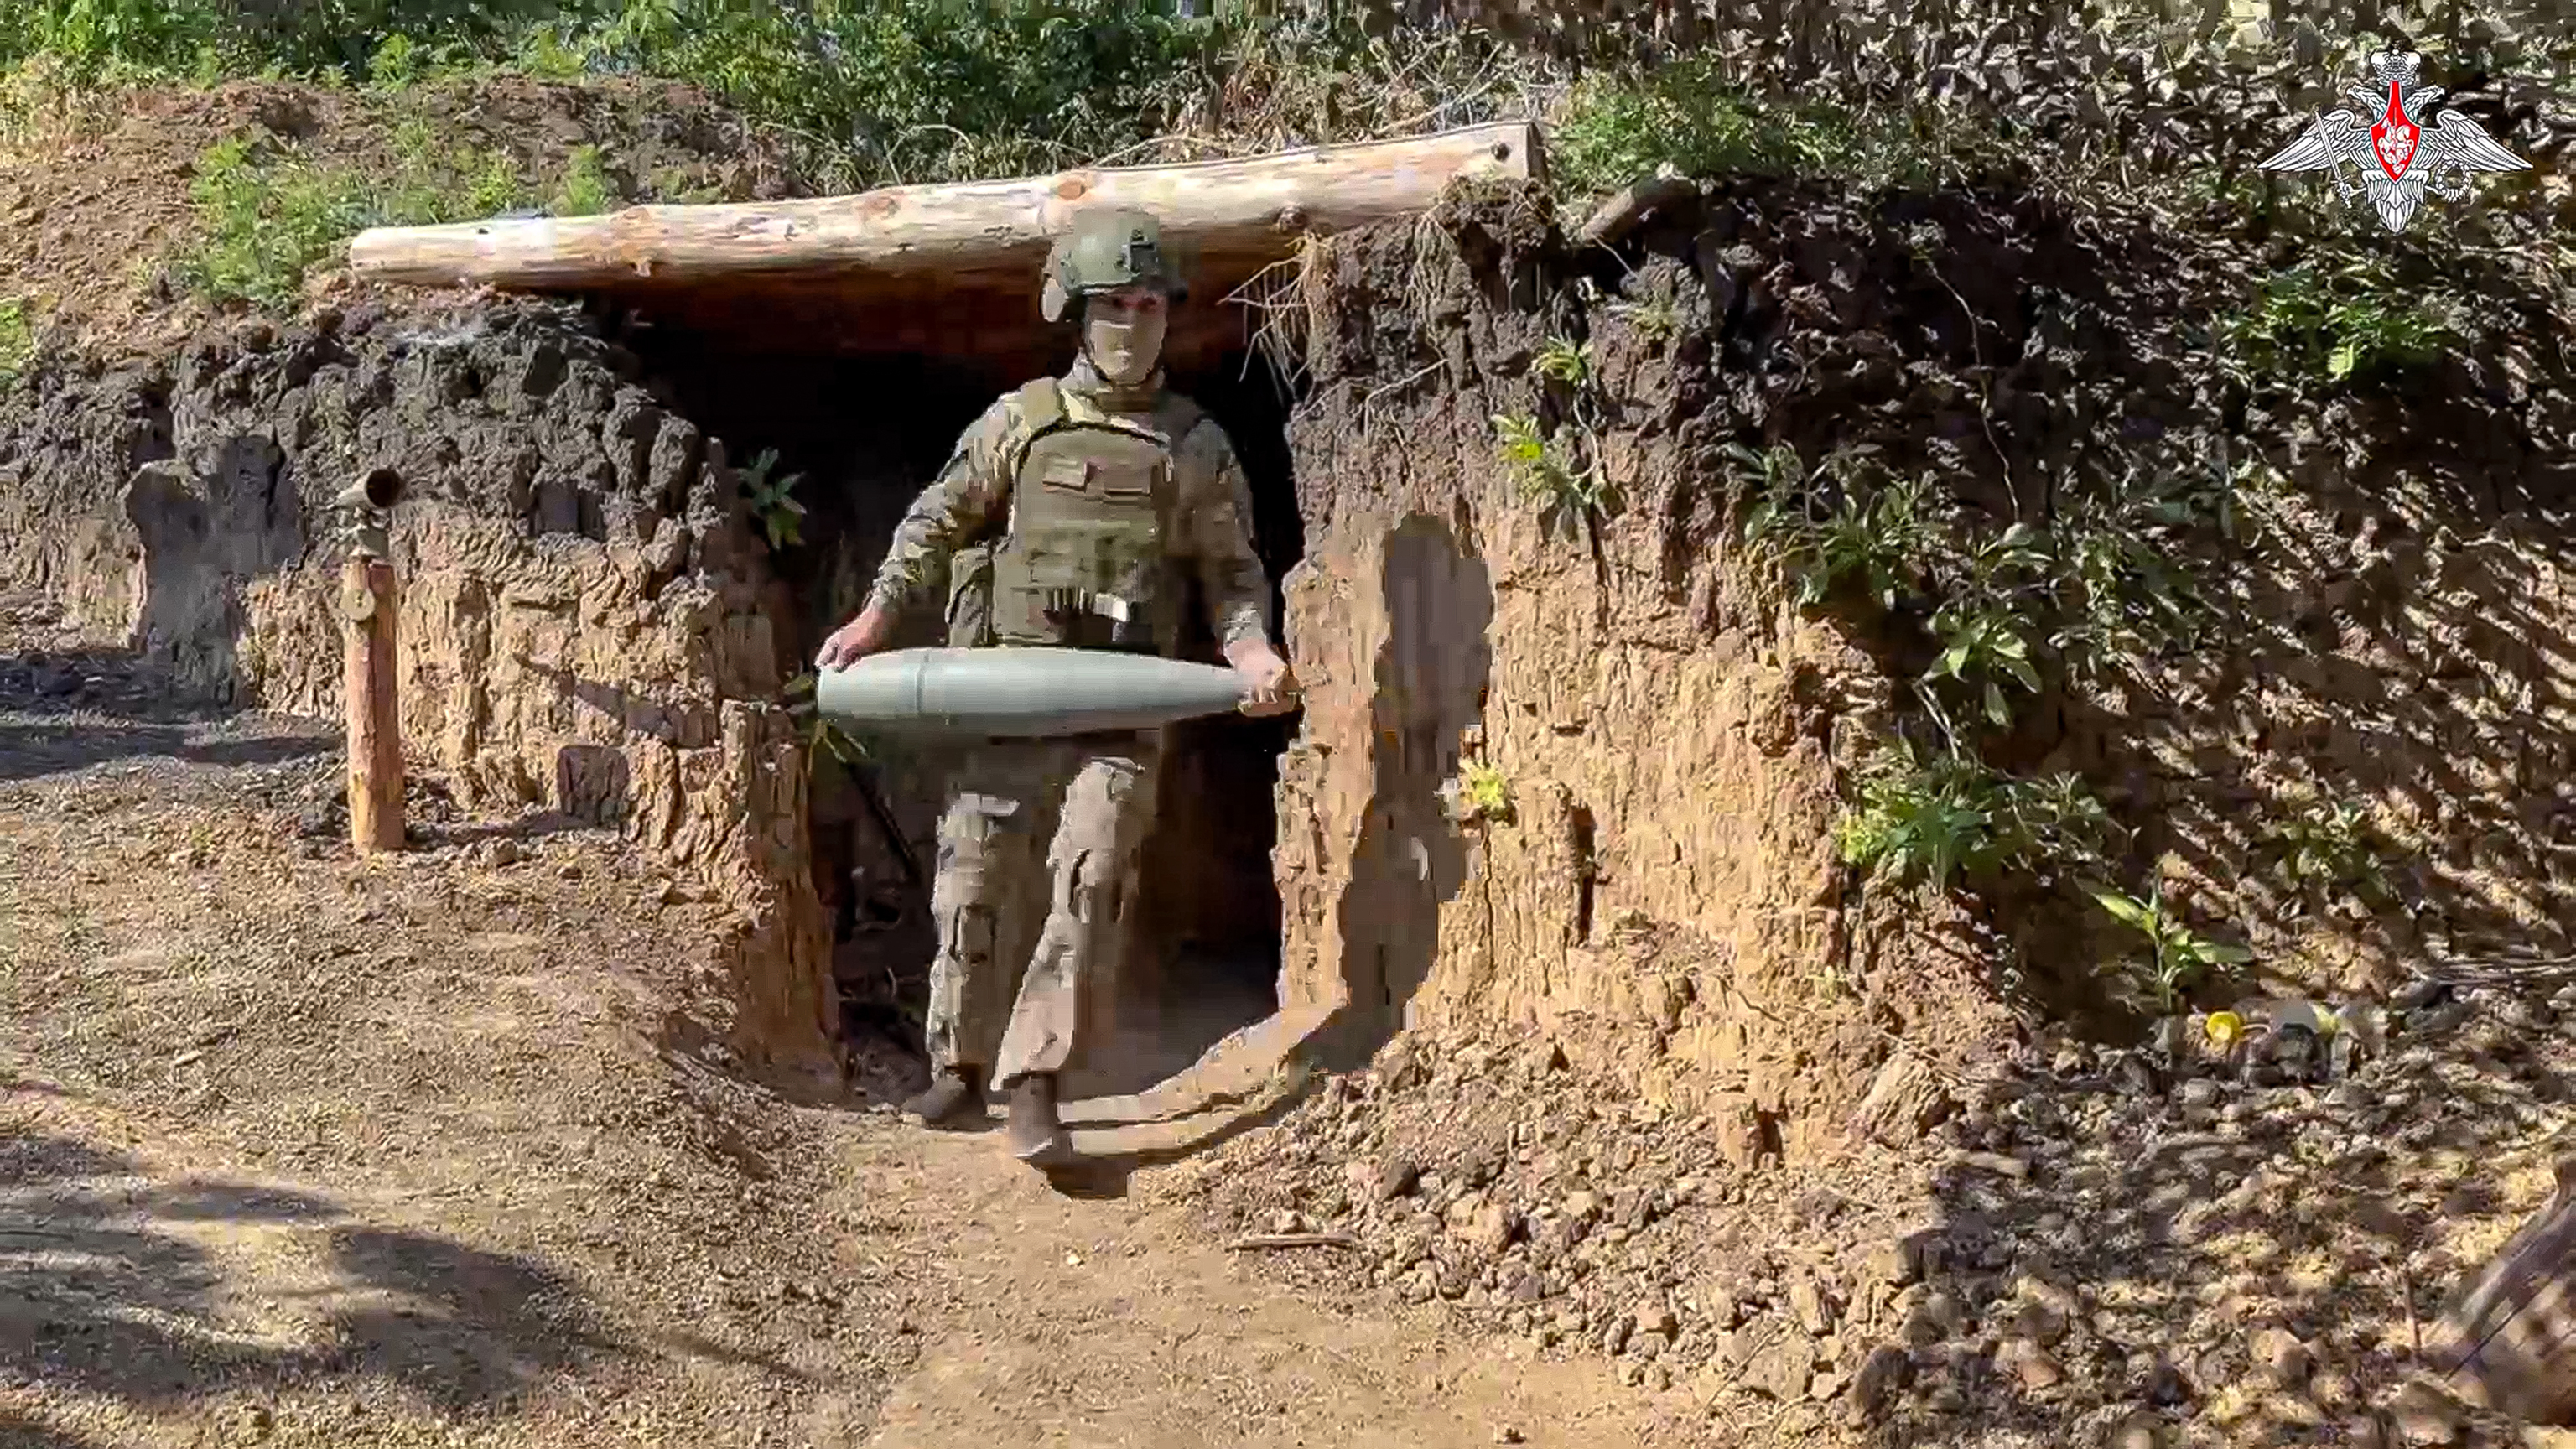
(586, 618)
(1663, 1016)
(1675, 739)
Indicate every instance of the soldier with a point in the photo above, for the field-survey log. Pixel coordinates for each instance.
(1071, 514)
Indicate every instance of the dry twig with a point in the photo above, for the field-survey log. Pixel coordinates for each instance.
(1265, 1242)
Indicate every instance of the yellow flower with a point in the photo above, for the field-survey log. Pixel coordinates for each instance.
(2225, 1028)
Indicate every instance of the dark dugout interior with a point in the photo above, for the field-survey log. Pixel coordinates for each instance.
(864, 435)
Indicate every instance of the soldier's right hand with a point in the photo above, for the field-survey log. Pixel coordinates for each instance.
(867, 634)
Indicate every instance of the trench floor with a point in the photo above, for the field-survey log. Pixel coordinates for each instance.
(443, 1150)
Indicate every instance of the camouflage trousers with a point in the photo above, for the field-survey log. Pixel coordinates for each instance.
(1088, 803)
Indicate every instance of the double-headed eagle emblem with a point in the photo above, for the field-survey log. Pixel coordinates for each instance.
(2397, 156)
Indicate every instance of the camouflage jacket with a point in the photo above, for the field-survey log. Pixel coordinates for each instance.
(969, 502)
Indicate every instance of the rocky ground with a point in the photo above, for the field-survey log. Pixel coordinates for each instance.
(2129, 1246)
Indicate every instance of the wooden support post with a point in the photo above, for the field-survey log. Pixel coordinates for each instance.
(368, 596)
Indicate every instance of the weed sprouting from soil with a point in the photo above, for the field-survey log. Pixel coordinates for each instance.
(1936, 817)
(2328, 845)
(268, 217)
(2333, 320)
(2087, 597)
(17, 340)
(1568, 489)
(1697, 118)
(773, 500)
(1482, 794)
(587, 188)
(2177, 955)
(1845, 526)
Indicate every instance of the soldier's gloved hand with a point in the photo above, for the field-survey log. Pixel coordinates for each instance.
(867, 634)
(1267, 687)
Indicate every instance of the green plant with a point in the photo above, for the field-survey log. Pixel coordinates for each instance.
(1568, 492)
(1939, 816)
(1983, 626)
(823, 736)
(265, 217)
(268, 215)
(1560, 360)
(431, 181)
(587, 188)
(1982, 648)
(2120, 594)
(773, 499)
(17, 341)
(2329, 845)
(2329, 322)
(397, 61)
(2177, 955)
(1881, 537)
(1921, 819)
(1658, 317)
(2052, 824)
(1483, 794)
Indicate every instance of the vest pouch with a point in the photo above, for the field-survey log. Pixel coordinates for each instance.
(970, 597)
(1083, 565)
(1087, 584)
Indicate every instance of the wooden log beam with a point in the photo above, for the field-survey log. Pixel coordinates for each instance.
(1225, 214)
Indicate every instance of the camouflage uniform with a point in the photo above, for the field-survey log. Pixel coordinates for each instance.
(999, 513)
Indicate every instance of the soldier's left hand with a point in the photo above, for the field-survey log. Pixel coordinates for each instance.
(1267, 689)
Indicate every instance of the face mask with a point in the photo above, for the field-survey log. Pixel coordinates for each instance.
(1123, 343)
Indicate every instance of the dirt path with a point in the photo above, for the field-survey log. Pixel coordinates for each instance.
(444, 1150)
(1102, 1324)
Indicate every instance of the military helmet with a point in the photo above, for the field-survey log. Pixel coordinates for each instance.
(1105, 249)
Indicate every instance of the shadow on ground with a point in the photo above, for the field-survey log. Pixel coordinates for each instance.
(141, 1291)
(68, 710)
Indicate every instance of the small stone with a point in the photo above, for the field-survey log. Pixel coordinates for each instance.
(2425, 1415)
(569, 870)
(507, 852)
(1506, 1434)
(2199, 1092)
(1615, 1337)
(1528, 1288)
(2284, 1357)
(1937, 1317)
(2140, 1430)
(2031, 1364)
(1491, 1228)
(1812, 1309)
(1658, 1377)
(1397, 1177)
(674, 894)
(1892, 1263)
(1580, 1207)
(1783, 1368)
(1631, 1375)
(1886, 1370)
(1654, 1318)
(2166, 1387)
(1284, 1221)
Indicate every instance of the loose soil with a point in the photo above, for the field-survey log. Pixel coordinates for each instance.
(300, 1149)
